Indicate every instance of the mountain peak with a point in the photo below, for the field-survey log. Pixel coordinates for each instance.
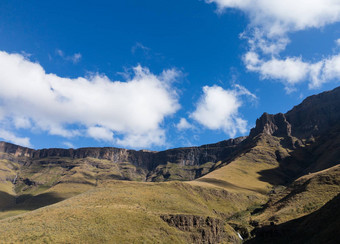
(315, 115)
(276, 125)
(311, 118)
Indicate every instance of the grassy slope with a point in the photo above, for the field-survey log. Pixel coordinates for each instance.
(123, 212)
(244, 173)
(129, 211)
(321, 226)
(304, 196)
(47, 181)
(7, 176)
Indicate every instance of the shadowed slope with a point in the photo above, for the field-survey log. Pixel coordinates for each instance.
(321, 226)
(305, 195)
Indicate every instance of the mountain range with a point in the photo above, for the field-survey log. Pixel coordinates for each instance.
(280, 184)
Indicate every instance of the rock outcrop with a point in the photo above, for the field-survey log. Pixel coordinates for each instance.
(314, 116)
(276, 125)
(203, 229)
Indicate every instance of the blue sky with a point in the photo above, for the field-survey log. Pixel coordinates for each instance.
(158, 74)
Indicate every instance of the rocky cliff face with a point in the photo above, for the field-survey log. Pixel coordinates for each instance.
(15, 150)
(301, 136)
(147, 161)
(276, 125)
(203, 229)
(314, 116)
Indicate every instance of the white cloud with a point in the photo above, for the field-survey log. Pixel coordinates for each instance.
(21, 122)
(277, 17)
(60, 53)
(153, 137)
(258, 41)
(68, 144)
(328, 69)
(2, 114)
(337, 42)
(75, 58)
(140, 46)
(241, 90)
(100, 133)
(133, 109)
(293, 70)
(9, 136)
(183, 124)
(218, 108)
(271, 21)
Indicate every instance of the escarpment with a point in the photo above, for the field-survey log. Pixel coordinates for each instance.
(148, 162)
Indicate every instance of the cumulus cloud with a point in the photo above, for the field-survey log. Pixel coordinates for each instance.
(271, 22)
(277, 17)
(218, 109)
(183, 124)
(293, 70)
(21, 122)
(100, 133)
(133, 110)
(153, 137)
(11, 137)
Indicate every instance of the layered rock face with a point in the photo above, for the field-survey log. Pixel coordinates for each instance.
(145, 160)
(304, 133)
(276, 125)
(314, 116)
(203, 229)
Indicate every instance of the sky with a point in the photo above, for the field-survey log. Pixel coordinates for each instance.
(156, 74)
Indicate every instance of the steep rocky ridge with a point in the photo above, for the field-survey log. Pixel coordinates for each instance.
(314, 116)
(305, 133)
